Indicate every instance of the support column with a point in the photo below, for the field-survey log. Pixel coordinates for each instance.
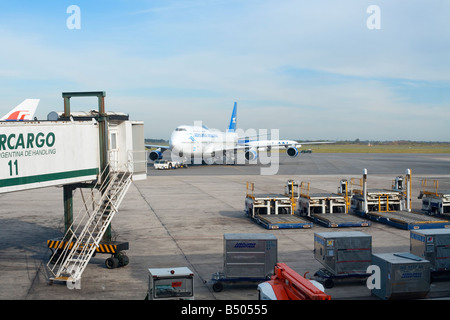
(366, 209)
(68, 207)
(103, 135)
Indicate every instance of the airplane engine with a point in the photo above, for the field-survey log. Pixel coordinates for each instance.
(292, 151)
(155, 155)
(251, 155)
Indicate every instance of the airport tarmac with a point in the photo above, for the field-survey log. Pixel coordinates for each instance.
(178, 218)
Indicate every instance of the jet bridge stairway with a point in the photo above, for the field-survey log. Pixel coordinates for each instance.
(84, 237)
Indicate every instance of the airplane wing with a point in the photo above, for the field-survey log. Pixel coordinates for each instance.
(277, 143)
(163, 148)
(24, 111)
(317, 142)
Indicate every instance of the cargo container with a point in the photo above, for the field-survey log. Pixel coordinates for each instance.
(432, 245)
(170, 284)
(344, 254)
(247, 257)
(401, 276)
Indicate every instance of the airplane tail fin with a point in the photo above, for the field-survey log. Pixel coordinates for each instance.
(24, 111)
(233, 121)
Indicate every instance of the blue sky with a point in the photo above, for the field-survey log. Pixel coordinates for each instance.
(312, 69)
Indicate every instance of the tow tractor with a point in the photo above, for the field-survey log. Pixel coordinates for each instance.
(166, 164)
(286, 284)
(435, 202)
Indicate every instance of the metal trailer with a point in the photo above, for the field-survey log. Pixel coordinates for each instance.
(434, 246)
(327, 209)
(392, 207)
(273, 211)
(248, 258)
(434, 201)
(346, 255)
(413, 220)
(402, 276)
(170, 284)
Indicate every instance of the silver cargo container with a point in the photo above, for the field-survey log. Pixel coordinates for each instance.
(249, 255)
(346, 252)
(432, 245)
(402, 276)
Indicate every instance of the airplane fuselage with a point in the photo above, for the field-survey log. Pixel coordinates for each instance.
(199, 142)
(194, 141)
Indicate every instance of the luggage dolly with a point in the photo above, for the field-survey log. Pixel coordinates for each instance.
(328, 278)
(114, 248)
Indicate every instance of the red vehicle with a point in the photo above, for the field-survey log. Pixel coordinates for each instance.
(286, 284)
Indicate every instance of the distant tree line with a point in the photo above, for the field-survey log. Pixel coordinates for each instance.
(383, 142)
(156, 141)
(356, 141)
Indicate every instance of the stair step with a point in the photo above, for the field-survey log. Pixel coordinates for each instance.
(94, 229)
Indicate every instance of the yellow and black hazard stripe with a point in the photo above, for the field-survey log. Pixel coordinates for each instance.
(106, 248)
(102, 247)
(57, 244)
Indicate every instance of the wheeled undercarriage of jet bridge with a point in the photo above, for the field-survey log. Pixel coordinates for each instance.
(97, 150)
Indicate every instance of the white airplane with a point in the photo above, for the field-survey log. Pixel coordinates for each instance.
(24, 111)
(200, 142)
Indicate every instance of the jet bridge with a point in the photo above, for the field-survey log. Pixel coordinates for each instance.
(97, 150)
(42, 154)
(62, 151)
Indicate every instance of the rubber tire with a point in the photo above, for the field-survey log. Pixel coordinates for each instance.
(112, 263)
(217, 286)
(328, 283)
(123, 260)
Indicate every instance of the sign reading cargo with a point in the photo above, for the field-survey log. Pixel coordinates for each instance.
(47, 153)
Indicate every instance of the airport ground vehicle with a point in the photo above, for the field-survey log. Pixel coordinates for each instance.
(435, 202)
(286, 284)
(167, 164)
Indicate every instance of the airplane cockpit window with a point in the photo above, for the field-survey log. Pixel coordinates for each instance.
(180, 129)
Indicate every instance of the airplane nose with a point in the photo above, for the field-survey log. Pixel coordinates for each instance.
(173, 138)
